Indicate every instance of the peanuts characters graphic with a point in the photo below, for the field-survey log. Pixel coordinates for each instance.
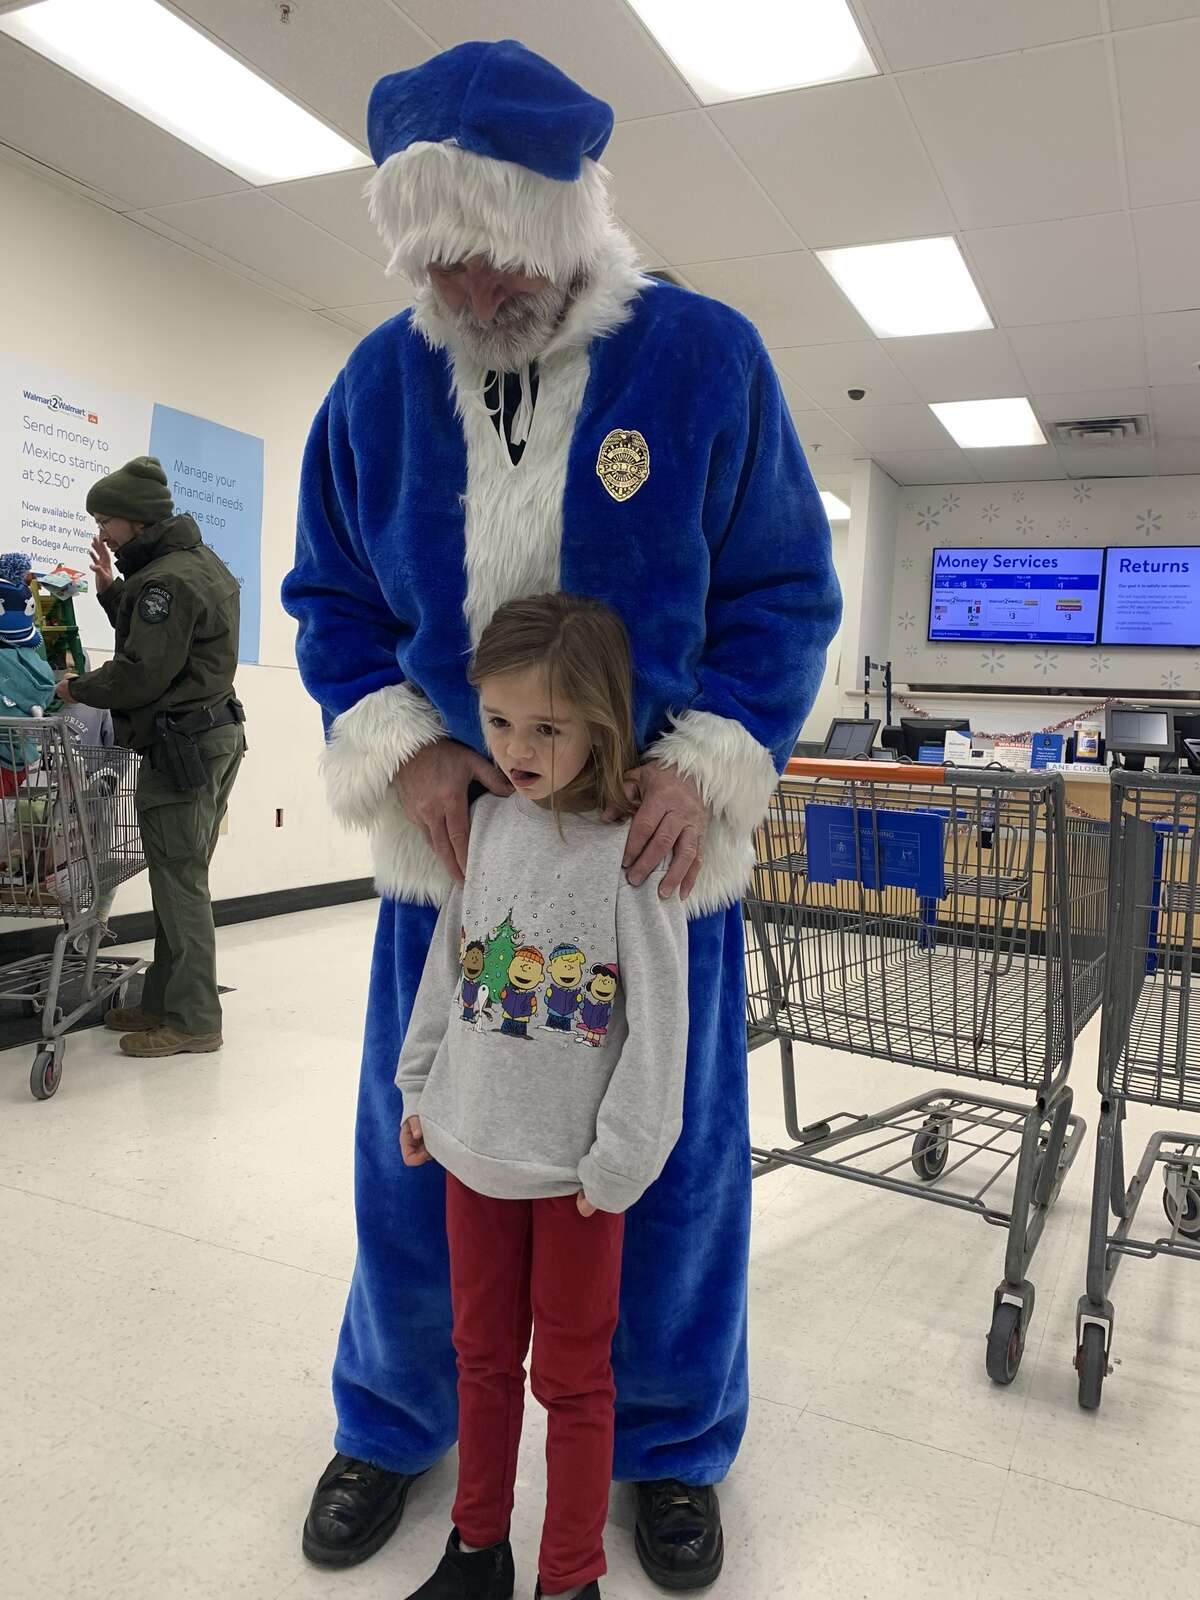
(518, 1001)
(565, 970)
(471, 960)
(596, 1007)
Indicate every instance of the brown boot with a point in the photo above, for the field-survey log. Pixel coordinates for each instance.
(131, 1019)
(165, 1041)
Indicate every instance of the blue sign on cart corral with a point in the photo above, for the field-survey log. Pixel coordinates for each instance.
(879, 849)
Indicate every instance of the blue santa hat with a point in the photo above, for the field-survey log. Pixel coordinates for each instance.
(489, 150)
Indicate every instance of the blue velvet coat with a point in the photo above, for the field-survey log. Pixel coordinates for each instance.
(720, 565)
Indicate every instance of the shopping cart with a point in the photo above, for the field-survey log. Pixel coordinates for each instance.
(926, 915)
(1149, 1046)
(68, 837)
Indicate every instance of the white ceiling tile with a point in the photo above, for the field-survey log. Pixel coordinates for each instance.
(602, 45)
(1175, 412)
(186, 241)
(339, 320)
(64, 123)
(648, 257)
(1157, 72)
(328, 57)
(822, 437)
(1022, 138)
(828, 370)
(1034, 461)
(1141, 13)
(1108, 461)
(1168, 246)
(365, 318)
(957, 30)
(894, 427)
(1178, 455)
(790, 298)
(1173, 347)
(336, 204)
(253, 229)
(1080, 405)
(927, 466)
(838, 466)
(958, 366)
(797, 398)
(684, 190)
(1063, 356)
(841, 161)
(1058, 271)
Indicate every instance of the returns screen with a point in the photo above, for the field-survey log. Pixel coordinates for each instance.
(1152, 595)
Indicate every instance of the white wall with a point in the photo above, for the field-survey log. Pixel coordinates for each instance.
(828, 703)
(1134, 511)
(86, 291)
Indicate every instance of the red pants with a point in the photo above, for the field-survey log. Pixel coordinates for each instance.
(517, 1265)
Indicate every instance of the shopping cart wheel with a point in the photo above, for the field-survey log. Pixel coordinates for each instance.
(931, 1148)
(46, 1074)
(1188, 1222)
(1006, 1343)
(1091, 1363)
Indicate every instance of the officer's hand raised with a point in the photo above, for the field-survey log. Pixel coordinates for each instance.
(102, 565)
(433, 788)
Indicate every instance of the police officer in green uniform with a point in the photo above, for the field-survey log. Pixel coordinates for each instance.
(170, 689)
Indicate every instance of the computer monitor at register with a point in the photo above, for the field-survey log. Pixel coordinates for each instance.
(1135, 732)
(915, 732)
(851, 738)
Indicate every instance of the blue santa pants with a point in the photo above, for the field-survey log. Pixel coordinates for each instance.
(679, 1356)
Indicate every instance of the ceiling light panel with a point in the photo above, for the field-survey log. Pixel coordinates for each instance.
(908, 288)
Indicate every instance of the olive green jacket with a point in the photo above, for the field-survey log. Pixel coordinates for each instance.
(176, 611)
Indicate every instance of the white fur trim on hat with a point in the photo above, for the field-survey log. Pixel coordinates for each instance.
(439, 202)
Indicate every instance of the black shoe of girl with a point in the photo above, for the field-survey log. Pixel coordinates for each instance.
(479, 1575)
(591, 1592)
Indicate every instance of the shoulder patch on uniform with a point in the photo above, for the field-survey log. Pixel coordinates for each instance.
(154, 603)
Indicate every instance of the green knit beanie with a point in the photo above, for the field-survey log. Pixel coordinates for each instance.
(138, 492)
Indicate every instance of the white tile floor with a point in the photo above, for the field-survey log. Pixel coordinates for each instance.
(175, 1242)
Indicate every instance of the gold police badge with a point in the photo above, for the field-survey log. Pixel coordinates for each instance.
(623, 464)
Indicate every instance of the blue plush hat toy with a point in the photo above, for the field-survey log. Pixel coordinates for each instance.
(17, 631)
(489, 150)
(14, 591)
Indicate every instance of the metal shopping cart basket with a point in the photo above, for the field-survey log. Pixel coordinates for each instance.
(68, 837)
(950, 918)
(1149, 1046)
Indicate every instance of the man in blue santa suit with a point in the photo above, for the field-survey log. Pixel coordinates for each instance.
(547, 418)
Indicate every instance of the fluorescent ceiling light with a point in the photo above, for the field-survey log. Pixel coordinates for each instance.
(154, 63)
(836, 510)
(912, 287)
(727, 52)
(989, 424)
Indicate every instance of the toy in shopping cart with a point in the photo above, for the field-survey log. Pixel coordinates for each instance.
(953, 920)
(54, 594)
(1149, 1047)
(67, 839)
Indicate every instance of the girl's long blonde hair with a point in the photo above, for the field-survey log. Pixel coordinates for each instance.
(584, 648)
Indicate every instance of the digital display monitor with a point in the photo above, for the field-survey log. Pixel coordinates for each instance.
(1140, 731)
(850, 736)
(1152, 596)
(1010, 595)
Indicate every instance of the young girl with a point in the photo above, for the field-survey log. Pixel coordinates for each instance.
(545, 1146)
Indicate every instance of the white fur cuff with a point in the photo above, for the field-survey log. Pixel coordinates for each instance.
(737, 778)
(367, 746)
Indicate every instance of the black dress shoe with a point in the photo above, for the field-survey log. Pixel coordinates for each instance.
(678, 1536)
(591, 1592)
(355, 1509)
(480, 1575)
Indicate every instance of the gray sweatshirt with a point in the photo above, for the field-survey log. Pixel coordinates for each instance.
(547, 1044)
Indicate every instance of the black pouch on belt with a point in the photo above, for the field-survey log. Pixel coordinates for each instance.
(177, 756)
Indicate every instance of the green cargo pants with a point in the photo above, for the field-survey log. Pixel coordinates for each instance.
(179, 835)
